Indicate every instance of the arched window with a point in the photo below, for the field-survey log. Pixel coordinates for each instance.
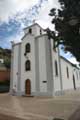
(67, 72)
(56, 68)
(28, 65)
(27, 48)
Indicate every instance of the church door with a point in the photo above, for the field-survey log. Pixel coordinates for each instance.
(28, 87)
(74, 83)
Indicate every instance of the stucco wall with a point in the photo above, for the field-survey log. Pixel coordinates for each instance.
(37, 65)
(76, 73)
(15, 66)
(28, 74)
(44, 80)
(67, 81)
(49, 66)
(42, 64)
(56, 79)
(35, 30)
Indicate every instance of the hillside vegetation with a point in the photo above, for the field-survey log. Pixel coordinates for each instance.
(5, 54)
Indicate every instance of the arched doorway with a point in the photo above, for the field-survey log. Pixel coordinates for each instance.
(28, 87)
(74, 83)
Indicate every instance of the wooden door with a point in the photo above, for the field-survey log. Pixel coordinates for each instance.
(28, 87)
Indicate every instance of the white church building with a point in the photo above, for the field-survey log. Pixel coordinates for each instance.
(37, 69)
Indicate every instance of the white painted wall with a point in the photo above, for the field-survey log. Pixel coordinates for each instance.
(31, 56)
(49, 66)
(35, 30)
(15, 66)
(42, 64)
(56, 79)
(67, 82)
(37, 66)
(76, 73)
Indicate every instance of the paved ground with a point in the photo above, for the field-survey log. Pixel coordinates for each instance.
(40, 108)
(8, 117)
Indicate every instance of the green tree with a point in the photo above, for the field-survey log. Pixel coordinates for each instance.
(67, 26)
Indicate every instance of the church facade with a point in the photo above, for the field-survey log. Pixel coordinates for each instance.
(37, 69)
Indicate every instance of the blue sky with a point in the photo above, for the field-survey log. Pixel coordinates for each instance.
(17, 14)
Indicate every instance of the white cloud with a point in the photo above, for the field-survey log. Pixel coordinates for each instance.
(16, 38)
(44, 17)
(18, 10)
(10, 7)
